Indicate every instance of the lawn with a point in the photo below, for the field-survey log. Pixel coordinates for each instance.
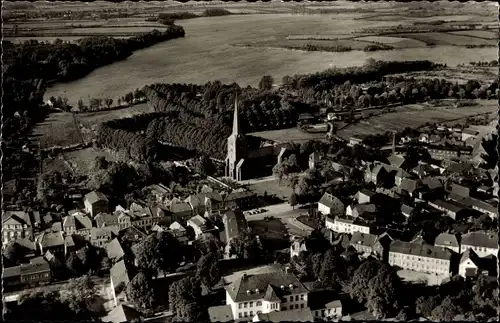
(272, 233)
(89, 119)
(304, 219)
(272, 187)
(415, 116)
(82, 160)
(58, 130)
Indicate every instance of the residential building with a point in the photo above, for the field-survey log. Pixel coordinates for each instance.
(51, 241)
(181, 210)
(297, 246)
(214, 202)
(27, 247)
(469, 133)
(482, 206)
(35, 273)
(420, 257)
(460, 190)
(469, 265)
(234, 224)
(410, 185)
(450, 208)
(324, 304)
(363, 242)
(160, 192)
(240, 200)
(77, 224)
(483, 243)
(354, 140)
(344, 225)
(447, 240)
(199, 225)
(376, 174)
(407, 210)
(99, 237)
(107, 220)
(95, 203)
(330, 205)
(114, 250)
(365, 211)
(364, 196)
(397, 160)
(120, 276)
(264, 293)
(179, 232)
(220, 313)
(197, 203)
(16, 225)
(295, 315)
(399, 175)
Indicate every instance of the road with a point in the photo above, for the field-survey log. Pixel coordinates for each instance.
(287, 215)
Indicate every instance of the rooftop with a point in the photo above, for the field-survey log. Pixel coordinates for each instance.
(421, 250)
(446, 239)
(296, 315)
(95, 196)
(120, 314)
(480, 239)
(221, 313)
(363, 239)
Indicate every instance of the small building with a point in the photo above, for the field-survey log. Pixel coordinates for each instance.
(469, 133)
(376, 174)
(452, 209)
(330, 205)
(469, 265)
(295, 315)
(120, 275)
(297, 246)
(199, 225)
(107, 220)
(365, 196)
(397, 160)
(344, 225)
(365, 210)
(235, 224)
(324, 304)
(460, 190)
(179, 232)
(410, 185)
(100, 237)
(36, 273)
(16, 225)
(197, 203)
(95, 203)
(77, 224)
(354, 140)
(407, 210)
(483, 243)
(220, 313)
(447, 240)
(240, 200)
(114, 250)
(400, 175)
(51, 241)
(363, 242)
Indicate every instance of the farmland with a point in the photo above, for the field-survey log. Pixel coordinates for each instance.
(89, 119)
(82, 159)
(58, 130)
(414, 116)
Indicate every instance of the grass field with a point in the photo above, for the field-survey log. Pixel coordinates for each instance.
(447, 39)
(59, 129)
(459, 75)
(396, 42)
(82, 160)
(477, 33)
(89, 119)
(415, 116)
(55, 164)
(288, 135)
(272, 187)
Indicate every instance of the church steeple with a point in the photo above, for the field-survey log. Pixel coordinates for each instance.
(236, 120)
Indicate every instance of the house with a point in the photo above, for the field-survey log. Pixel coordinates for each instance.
(469, 265)
(179, 232)
(220, 313)
(199, 225)
(234, 224)
(99, 237)
(107, 220)
(452, 209)
(410, 185)
(407, 210)
(37, 272)
(120, 276)
(344, 225)
(197, 203)
(397, 160)
(69, 245)
(423, 170)
(264, 293)
(160, 192)
(330, 205)
(469, 133)
(295, 315)
(460, 190)
(376, 173)
(114, 250)
(364, 210)
(420, 257)
(447, 240)
(26, 246)
(363, 242)
(16, 225)
(482, 206)
(433, 183)
(121, 314)
(481, 242)
(354, 140)
(399, 175)
(95, 203)
(423, 138)
(240, 200)
(181, 210)
(324, 304)
(364, 196)
(77, 224)
(214, 201)
(51, 241)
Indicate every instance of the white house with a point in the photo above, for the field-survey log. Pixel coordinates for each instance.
(330, 205)
(484, 244)
(420, 257)
(469, 264)
(342, 225)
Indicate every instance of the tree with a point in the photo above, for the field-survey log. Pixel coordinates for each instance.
(279, 170)
(205, 166)
(108, 102)
(140, 291)
(14, 252)
(266, 82)
(182, 294)
(424, 305)
(446, 311)
(90, 259)
(208, 243)
(80, 105)
(358, 287)
(245, 246)
(207, 269)
(384, 292)
(75, 266)
(159, 251)
(81, 293)
(292, 200)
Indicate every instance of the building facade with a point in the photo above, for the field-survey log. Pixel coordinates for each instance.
(420, 257)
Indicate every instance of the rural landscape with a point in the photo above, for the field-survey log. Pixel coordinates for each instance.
(170, 161)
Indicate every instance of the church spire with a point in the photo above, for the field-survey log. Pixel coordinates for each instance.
(236, 120)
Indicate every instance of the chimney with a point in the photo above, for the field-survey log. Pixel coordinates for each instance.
(256, 290)
(248, 292)
(282, 287)
(290, 286)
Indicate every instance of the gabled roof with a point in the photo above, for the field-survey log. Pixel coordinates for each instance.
(366, 192)
(105, 219)
(95, 233)
(119, 273)
(449, 206)
(196, 200)
(363, 239)
(114, 249)
(365, 207)
(421, 250)
(222, 313)
(95, 196)
(472, 255)
(235, 223)
(396, 160)
(257, 285)
(480, 239)
(409, 185)
(176, 226)
(19, 217)
(270, 295)
(51, 239)
(331, 201)
(446, 240)
(77, 221)
(406, 209)
(121, 314)
(432, 182)
(235, 195)
(180, 207)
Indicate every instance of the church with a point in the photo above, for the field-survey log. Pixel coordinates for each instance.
(249, 156)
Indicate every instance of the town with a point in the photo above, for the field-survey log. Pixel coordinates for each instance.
(164, 162)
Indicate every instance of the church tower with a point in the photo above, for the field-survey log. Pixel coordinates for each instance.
(236, 147)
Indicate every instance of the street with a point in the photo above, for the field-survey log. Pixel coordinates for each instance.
(286, 214)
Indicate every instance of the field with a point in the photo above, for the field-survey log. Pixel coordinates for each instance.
(271, 231)
(90, 119)
(396, 42)
(59, 129)
(413, 116)
(272, 187)
(448, 39)
(82, 160)
(487, 34)
(459, 75)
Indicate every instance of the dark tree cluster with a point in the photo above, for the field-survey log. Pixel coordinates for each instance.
(186, 302)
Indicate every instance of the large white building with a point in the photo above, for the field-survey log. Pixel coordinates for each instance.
(420, 257)
(482, 243)
(342, 225)
(264, 293)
